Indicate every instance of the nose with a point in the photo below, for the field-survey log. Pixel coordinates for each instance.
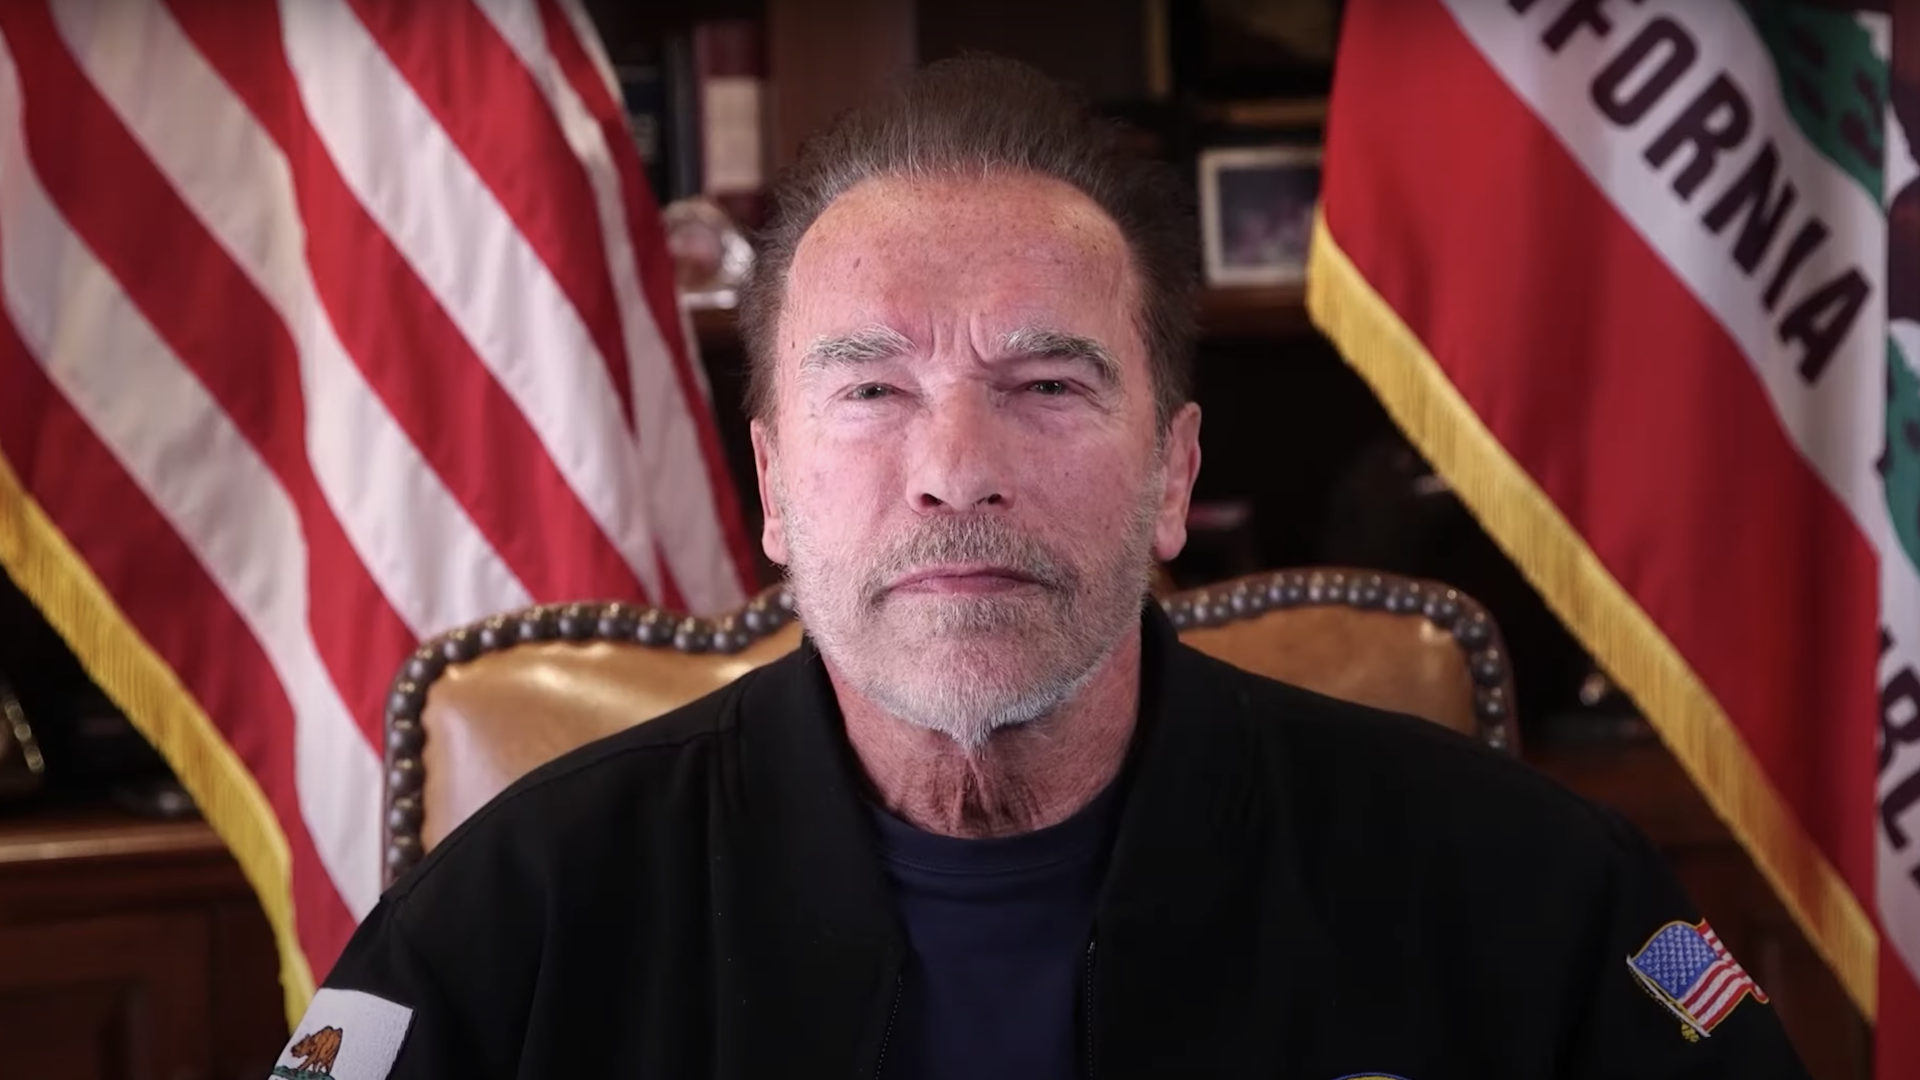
(961, 460)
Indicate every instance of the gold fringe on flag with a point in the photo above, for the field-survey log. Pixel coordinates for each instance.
(1554, 557)
(63, 587)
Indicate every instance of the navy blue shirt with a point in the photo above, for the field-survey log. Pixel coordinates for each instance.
(999, 931)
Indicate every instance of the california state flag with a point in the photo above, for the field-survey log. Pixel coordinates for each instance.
(1639, 280)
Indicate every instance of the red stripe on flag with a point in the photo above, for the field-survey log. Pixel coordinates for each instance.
(656, 274)
(1639, 416)
(488, 103)
(80, 485)
(1896, 1040)
(415, 358)
(169, 267)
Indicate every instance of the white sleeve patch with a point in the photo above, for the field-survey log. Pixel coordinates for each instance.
(346, 1035)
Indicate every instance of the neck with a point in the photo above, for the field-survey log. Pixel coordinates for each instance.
(1022, 779)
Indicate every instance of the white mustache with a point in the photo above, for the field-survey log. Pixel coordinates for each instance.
(966, 540)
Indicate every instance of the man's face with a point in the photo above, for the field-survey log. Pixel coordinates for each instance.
(963, 474)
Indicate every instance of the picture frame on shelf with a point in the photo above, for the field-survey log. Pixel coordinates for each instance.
(1256, 213)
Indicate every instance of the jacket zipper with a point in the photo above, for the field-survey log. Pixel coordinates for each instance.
(1087, 1007)
(880, 1062)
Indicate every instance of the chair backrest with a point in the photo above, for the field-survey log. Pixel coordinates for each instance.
(478, 707)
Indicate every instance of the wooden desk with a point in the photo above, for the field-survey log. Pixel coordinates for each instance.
(130, 949)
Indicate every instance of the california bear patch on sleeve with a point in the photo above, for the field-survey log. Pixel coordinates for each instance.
(1686, 968)
(346, 1035)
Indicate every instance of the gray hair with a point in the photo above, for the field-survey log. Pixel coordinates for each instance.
(976, 116)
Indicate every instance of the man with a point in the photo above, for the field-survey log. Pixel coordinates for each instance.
(991, 819)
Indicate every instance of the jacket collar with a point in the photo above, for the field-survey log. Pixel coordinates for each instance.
(1187, 775)
(1189, 880)
(1202, 891)
(814, 949)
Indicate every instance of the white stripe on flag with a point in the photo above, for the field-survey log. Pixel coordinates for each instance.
(417, 542)
(469, 254)
(589, 38)
(1711, 985)
(670, 455)
(151, 412)
(1729, 987)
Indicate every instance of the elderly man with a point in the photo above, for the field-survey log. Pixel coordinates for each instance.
(992, 819)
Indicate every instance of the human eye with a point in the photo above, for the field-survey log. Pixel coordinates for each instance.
(870, 392)
(1050, 387)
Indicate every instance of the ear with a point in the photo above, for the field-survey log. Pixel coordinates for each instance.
(1181, 468)
(773, 532)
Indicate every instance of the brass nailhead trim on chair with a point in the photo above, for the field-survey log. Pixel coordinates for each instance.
(613, 621)
(1450, 610)
(1446, 608)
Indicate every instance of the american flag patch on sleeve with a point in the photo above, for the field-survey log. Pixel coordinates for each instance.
(1686, 968)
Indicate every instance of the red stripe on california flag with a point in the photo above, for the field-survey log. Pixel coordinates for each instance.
(1896, 1038)
(656, 277)
(166, 262)
(482, 95)
(414, 357)
(1446, 223)
(80, 485)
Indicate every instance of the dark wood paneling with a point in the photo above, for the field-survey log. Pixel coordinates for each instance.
(106, 998)
(130, 949)
(248, 1011)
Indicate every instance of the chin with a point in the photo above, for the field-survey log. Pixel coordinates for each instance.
(968, 684)
(964, 666)
(985, 645)
(933, 619)
(969, 707)
(992, 661)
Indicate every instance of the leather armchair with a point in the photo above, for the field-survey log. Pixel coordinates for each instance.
(478, 707)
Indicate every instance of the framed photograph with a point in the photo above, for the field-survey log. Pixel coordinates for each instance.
(1256, 213)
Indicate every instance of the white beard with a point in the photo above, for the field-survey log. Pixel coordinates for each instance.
(968, 666)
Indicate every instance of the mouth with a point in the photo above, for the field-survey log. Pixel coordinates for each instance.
(963, 579)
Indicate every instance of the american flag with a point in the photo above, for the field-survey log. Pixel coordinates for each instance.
(1686, 967)
(328, 325)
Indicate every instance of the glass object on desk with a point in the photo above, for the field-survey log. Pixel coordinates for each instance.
(22, 769)
(711, 254)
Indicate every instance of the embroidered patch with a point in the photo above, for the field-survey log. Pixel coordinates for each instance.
(346, 1035)
(1684, 967)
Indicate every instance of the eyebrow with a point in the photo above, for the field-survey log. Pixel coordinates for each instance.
(1042, 341)
(862, 346)
(875, 343)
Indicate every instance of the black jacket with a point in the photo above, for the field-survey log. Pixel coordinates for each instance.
(1298, 887)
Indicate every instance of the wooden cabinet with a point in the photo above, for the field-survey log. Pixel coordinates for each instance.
(131, 950)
